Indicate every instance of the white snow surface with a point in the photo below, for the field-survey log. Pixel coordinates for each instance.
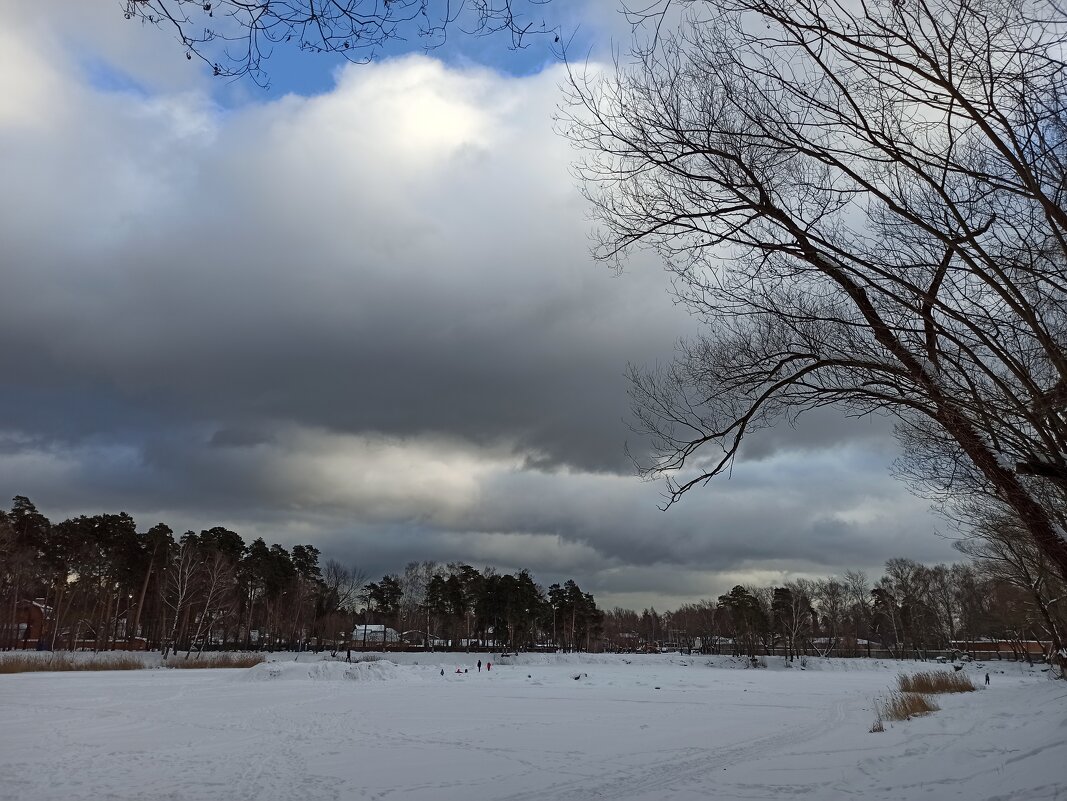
(552, 727)
(321, 671)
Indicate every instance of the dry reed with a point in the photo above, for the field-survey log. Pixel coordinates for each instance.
(904, 706)
(24, 663)
(937, 681)
(215, 660)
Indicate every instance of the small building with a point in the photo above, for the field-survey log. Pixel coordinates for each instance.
(376, 633)
(31, 618)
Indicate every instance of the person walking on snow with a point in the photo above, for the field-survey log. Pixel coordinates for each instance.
(488, 666)
(986, 679)
(479, 665)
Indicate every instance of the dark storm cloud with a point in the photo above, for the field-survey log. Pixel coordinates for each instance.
(607, 531)
(286, 275)
(819, 429)
(368, 320)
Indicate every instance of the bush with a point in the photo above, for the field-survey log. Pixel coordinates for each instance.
(63, 662)
(937, 681)
(904, 706)
(217, 660)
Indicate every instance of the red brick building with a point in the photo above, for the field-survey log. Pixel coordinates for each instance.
(31, 618)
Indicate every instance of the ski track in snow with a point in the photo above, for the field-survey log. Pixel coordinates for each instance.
(639, 728)
(686, 767)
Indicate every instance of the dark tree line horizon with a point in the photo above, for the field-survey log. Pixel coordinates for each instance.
(108, 585)
(911, 611)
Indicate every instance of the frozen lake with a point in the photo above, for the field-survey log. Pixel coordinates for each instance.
(655, 727)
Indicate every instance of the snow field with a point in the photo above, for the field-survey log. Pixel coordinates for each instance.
(641, 727)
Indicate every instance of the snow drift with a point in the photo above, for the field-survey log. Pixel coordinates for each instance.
(322, 671)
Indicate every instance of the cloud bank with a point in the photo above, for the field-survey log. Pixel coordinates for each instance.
(366, 319)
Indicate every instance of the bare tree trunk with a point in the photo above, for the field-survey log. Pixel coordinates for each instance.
(135, 629)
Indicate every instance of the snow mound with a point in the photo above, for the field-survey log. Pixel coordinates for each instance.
(323, 671)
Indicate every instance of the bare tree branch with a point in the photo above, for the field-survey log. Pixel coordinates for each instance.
(235, 37)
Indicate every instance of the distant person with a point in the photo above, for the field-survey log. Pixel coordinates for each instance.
(442, 671)
(348, 655)
(480, 666)
(986, 679)
(488, 666)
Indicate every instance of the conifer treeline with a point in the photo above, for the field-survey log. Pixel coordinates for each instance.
(103, 584)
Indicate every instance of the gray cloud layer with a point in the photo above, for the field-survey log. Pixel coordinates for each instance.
(367, 319)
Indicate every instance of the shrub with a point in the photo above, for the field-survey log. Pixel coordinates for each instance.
(64, 662)
(217, 660)
(904, 706)
(936, 681)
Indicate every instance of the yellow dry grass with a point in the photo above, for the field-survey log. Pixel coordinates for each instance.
(904, 706)
(25, 663)
(215, 660)
(937, 681)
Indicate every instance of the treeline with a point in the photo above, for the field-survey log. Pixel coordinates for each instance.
(1002, 602)
(98, 582)
(457, 606)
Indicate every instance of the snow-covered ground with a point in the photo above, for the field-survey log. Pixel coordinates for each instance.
(642, 727)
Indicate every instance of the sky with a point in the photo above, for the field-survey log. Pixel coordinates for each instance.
(357, 309)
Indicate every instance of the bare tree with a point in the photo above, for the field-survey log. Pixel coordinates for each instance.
(831, 597)
(342, 583)
(235, 37)
(945, 599)
(910, 584)
(181, 586)
(412, 609)
(858, 593)
(216, 595)
(791, 612)
(1005, 556)
(865, 204)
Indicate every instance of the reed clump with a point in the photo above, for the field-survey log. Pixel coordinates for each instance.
(904, 706)
(215, 660)
(65, 662)
(935, 682)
